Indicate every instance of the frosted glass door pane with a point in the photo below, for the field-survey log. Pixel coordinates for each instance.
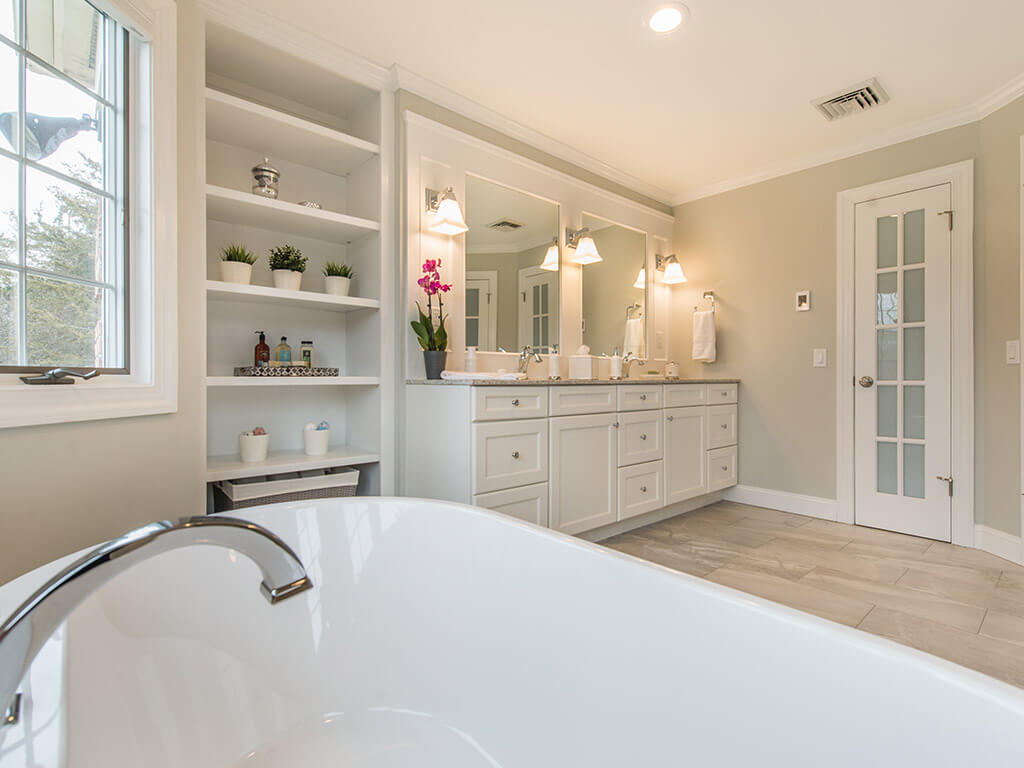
(473, 302)
(887, 411)
(887, 360)
(913, 412)
(913, 237)
(887, 226)
(887, 298)
(913, 470)
(913, 354)
(913, 296)
(473, 333)
(887, 468)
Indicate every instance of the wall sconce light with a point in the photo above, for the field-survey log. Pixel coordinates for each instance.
(641, 279)
(447, 214)
(670, 266)
(586, 248)
(550, 262)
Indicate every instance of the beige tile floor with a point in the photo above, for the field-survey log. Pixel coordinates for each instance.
(961, 604)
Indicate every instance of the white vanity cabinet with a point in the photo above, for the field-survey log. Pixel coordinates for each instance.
(573, 457)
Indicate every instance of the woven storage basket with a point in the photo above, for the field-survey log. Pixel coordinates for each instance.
(331, 483)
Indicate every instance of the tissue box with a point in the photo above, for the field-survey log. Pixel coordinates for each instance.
(581, 367)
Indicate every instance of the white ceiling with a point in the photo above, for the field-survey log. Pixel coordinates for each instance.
(487, 203)
(721, 101)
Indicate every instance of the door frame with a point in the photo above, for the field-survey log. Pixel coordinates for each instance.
(491, 277)
(960, 177)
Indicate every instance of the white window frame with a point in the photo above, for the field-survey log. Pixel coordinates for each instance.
(152, 385)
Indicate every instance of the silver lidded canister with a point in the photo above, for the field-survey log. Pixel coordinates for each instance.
(265, 175)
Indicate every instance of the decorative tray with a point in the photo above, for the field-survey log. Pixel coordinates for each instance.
(294, 370)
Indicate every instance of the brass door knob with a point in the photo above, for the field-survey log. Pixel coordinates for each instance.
(866, 381)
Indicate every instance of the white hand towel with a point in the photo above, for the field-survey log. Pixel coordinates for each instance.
(704, 350)
(634, 340)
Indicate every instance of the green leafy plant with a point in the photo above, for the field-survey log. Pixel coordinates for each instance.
(333, 269)
(287, 257)
(240, 253)
(430, 338)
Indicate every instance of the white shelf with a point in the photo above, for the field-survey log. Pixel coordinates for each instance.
(231, 467)
(292, 381)
(247, 209)
(274, 134)
(261, 294)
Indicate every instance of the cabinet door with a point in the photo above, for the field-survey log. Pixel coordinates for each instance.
(640, 437)
(685, 446)
(583, 472)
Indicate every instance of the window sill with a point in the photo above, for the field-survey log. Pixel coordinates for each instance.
(112, 397)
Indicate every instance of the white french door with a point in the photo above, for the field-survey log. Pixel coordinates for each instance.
(482, 310)
(902, 333)
(538, 308)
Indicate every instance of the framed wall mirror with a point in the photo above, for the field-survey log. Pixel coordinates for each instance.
(512, 260)
(615, 290)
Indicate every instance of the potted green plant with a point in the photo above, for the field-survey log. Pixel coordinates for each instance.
(236, 264)
(338, 278)
(287, 265)
(433, 340)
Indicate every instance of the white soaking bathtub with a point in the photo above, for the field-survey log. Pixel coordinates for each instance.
(438, 635)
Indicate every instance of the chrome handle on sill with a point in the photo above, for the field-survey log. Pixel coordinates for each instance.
(515, 454)
(58, 376)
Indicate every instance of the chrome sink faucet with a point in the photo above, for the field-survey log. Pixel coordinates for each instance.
(525, 355)
(25, 631)
(627, 363)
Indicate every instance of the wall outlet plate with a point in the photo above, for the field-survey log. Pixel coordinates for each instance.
(1013, 352)
(820, 358)
(803, 301)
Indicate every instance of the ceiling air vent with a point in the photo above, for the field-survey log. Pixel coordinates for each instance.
(506, 225)
(848, 101)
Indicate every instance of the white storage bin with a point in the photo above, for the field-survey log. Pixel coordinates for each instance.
(335, 482)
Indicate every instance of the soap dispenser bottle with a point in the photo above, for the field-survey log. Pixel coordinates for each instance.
(615, 366)
(282, 352)
(261, 355)
(471, 360)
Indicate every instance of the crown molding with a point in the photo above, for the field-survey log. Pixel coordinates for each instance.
(953, 119)
(442, 96)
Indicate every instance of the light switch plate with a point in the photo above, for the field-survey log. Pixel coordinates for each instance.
(821, 358)
(1013, 352)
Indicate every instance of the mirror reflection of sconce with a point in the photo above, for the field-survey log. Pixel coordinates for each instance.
(550, 262)
(446, 212)
(586, 248)
(673, 272)
(641, 279)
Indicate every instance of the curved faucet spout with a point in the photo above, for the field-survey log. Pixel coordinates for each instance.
(26, 630)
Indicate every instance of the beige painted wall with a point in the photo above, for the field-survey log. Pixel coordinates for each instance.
(70, 486)
(756, 246)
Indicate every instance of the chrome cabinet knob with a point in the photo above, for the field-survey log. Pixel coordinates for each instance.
(643, 489)
(516, 402)
(866, 382)
(725, 426)
(643, 437)
(670, 418)
(643, 397)
(616, 425)
(515, 454)
(725, 467)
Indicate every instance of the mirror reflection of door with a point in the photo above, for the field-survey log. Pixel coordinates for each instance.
(510, 233)
(614, 290)
(538, 308)
(481, 309)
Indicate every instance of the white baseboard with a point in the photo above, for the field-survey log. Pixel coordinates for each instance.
(797, 503)
(999, 543)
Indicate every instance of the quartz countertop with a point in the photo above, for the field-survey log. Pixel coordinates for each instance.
(563, 382)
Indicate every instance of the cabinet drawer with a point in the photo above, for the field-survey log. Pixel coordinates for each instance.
(722, 468)
(529, 503)
(637, 397)
(640, 489)
(721, 425)
(721, 394)
(640, 437)
(495, 403)
(683, 395)
(577, 401)
(507, 454)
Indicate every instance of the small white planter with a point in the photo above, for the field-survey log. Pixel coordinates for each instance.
(236, 272)
(287, 280)
(315, 441)
(253, 448)
(338, 286)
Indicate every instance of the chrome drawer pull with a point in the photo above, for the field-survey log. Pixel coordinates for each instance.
(516, 402)
(670, 418)
(643, 437)
(643, 397)
(643, 489)
(725, 426)
(725, 467)
(515, 454)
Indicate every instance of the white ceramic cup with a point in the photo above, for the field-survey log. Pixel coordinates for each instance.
(315, 441)
(253, 448)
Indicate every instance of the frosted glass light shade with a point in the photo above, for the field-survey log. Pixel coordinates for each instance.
(448, 219)
(550, 262)
(586, 251)
(673, 273)
(641, 279)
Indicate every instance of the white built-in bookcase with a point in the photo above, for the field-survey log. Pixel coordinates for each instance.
(328, 129)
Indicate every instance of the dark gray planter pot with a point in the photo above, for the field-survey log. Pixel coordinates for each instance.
(433, 361)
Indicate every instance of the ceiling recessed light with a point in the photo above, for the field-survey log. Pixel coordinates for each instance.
(668, 17)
